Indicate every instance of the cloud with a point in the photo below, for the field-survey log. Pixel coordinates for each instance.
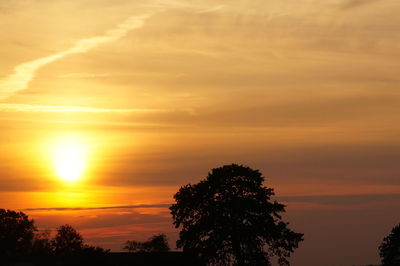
(338, 200)
(24, 73)
(138, 206)
(356, 3)
(343, 200)
(211, 10)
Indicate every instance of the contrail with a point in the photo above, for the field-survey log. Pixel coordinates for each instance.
(25, 72)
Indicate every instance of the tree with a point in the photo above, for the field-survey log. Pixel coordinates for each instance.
(157, 243)
(16, 234)
(69, 248)
(67, 240)
(132, 246)
(229, 219)
(389, 250)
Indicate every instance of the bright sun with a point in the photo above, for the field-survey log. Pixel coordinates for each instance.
(69, 158)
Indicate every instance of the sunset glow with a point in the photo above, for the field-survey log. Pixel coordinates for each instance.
(69, 159)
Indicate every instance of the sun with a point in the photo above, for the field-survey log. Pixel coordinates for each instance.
(69, 159)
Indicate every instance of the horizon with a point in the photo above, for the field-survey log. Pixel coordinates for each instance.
(107, 108)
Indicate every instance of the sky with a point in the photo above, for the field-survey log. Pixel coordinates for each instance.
(153, 94)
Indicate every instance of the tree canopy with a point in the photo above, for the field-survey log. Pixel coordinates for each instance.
(389, 250)
(16, 233)
(67, 240)
(229, 219)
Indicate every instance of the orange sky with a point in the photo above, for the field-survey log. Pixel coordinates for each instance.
(159, 92)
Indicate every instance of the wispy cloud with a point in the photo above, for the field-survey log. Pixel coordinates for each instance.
(356, 3)
(138, 206)
(211, 10)
(25, 72)
(350, 199)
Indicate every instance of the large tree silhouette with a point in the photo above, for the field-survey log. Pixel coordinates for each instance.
(389, 250)
(229, 219)
(16, 234)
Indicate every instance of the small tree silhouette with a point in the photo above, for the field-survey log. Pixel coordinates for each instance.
(67, 241)
(16, 234)
(229, 219)
(132, 246)
(389, 250)
(157, 243)
(69, 248)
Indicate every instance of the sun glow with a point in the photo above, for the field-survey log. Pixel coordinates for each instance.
(69, 159)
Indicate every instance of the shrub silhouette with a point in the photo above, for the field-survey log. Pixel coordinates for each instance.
(229, 219)
(157, 243)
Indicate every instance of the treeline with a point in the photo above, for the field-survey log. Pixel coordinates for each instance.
(20, 241)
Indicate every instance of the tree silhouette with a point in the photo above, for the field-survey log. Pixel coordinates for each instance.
(229, 219)
(389, 250)
(157, 243)
(67, 240)
(16, 234)
(69, 248)
(132, 246)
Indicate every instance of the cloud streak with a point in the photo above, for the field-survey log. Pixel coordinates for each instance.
(138, 206)
(356, 3)
(323, 199)
(211, 10)
(343, 200)
(25, 73)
